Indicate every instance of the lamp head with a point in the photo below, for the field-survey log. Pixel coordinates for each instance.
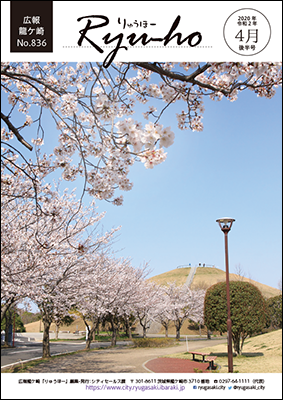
(225, 224)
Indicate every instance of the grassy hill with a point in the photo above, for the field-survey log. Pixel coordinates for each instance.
(77, 325)
(208, 276)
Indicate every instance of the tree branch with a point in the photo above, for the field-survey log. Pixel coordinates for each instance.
(16, 132)
(183, 78)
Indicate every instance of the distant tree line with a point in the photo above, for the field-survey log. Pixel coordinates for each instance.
(28, 317)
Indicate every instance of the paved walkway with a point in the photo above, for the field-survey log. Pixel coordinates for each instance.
(129, 360)
(164, 365)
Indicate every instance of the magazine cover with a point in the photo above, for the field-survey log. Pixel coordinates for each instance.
(141, 200)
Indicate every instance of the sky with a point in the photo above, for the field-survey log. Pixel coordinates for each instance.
(233, 168)
(230, 169)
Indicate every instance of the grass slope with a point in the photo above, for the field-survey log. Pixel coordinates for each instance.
(206, 277)
(77, 325)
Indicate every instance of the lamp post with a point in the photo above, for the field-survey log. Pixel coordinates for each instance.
(225, 225)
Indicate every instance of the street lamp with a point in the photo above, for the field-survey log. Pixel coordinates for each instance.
(225, 225)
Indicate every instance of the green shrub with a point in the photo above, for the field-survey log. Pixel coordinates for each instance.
(274, 312)
(247, 311)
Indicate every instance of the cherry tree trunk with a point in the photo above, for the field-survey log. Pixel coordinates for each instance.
(5, 309)
(178, 325)
(45, 339)
(144, 331)
(129, 333)
(166, 330)
(91, 333)
(114, 328)
(128, 328)
(114, 336)
(7, 325)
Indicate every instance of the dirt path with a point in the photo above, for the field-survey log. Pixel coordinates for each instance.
(115, 360)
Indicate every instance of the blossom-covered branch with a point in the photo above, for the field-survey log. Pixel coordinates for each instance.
(92, 110)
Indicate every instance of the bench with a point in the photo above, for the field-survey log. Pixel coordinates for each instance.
(198, 353)
(211, 360)
(206, 357)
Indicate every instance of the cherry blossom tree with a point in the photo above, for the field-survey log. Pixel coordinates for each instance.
(92, 108)
(90, 297)
(198, 316)
(46, 251)
(18, 225)
(60, 279)
(112, 293)
(145, 311)
(162, 310)
(185, 304)
(123, 293)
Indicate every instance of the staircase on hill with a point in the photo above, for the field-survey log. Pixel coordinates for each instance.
(191, 276)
